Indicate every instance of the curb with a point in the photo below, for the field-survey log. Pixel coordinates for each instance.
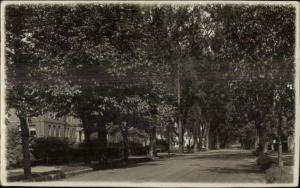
(61, 175)
(56, 176)
(76, 172)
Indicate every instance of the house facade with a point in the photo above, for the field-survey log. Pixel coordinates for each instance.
(48, 125)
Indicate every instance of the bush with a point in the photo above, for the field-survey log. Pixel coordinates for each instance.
(162, 146)
(14, 148)
(50, 150)
(279, 174)
(136, 148)
(114, 150)
(258, 150)
(264, 162)
(140, 151)
(90, 150)
(74, 154)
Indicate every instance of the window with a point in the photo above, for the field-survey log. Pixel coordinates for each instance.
(53, 132)
(57, 131)
(71, 133)
(32, 126)
(49, 130)
(32, 133)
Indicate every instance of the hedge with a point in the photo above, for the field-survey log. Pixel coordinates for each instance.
(52, 150)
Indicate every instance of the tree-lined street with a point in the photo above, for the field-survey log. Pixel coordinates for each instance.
(213, 166)
(186, 79)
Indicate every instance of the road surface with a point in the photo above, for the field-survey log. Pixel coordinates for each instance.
(212, 166)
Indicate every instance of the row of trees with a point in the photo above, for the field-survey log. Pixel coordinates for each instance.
(211, 68)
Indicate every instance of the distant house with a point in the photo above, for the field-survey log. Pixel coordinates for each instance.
(48, 125)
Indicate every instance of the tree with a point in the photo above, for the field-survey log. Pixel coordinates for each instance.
(27, 88)
(267, 56)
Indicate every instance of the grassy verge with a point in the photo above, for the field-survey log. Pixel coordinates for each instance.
(274, 173)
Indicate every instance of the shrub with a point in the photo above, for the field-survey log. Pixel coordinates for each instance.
(50, 150)
(279, 174)
(74, 154)
(114, 152)
(264, 162)
(258, 150)
(115, 145)
(14, 148)
(136, 148)
(141, 150)
(162, 145)
(90, 150)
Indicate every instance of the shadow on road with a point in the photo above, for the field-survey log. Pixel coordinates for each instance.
(222, 156)
(225, 170)
(129, 164)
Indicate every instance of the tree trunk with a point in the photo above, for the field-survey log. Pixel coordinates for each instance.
(86, 136)
(180, 128)
(195, 143)
(125, 144)
(207, 141)
(200, 142)
(256, 137)
(87, 156)
(87, 133)
(102, 138)
(152, 142)
(207, 137)
(262, 139)
(280, 161)
(189, 145)
(195, 135)
(180, 137)
(282, 120)
(223, 142)
(217, 140)
(169, 139)
(291, 143)
(25, 146)
(85, 126)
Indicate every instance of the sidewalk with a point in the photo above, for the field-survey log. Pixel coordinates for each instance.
(48, 173)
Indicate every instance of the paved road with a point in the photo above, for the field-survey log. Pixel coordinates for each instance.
(212, 166)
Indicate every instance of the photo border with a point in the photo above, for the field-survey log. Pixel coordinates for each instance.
(3, 172)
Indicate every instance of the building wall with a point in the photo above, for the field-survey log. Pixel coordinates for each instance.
(48, 125)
